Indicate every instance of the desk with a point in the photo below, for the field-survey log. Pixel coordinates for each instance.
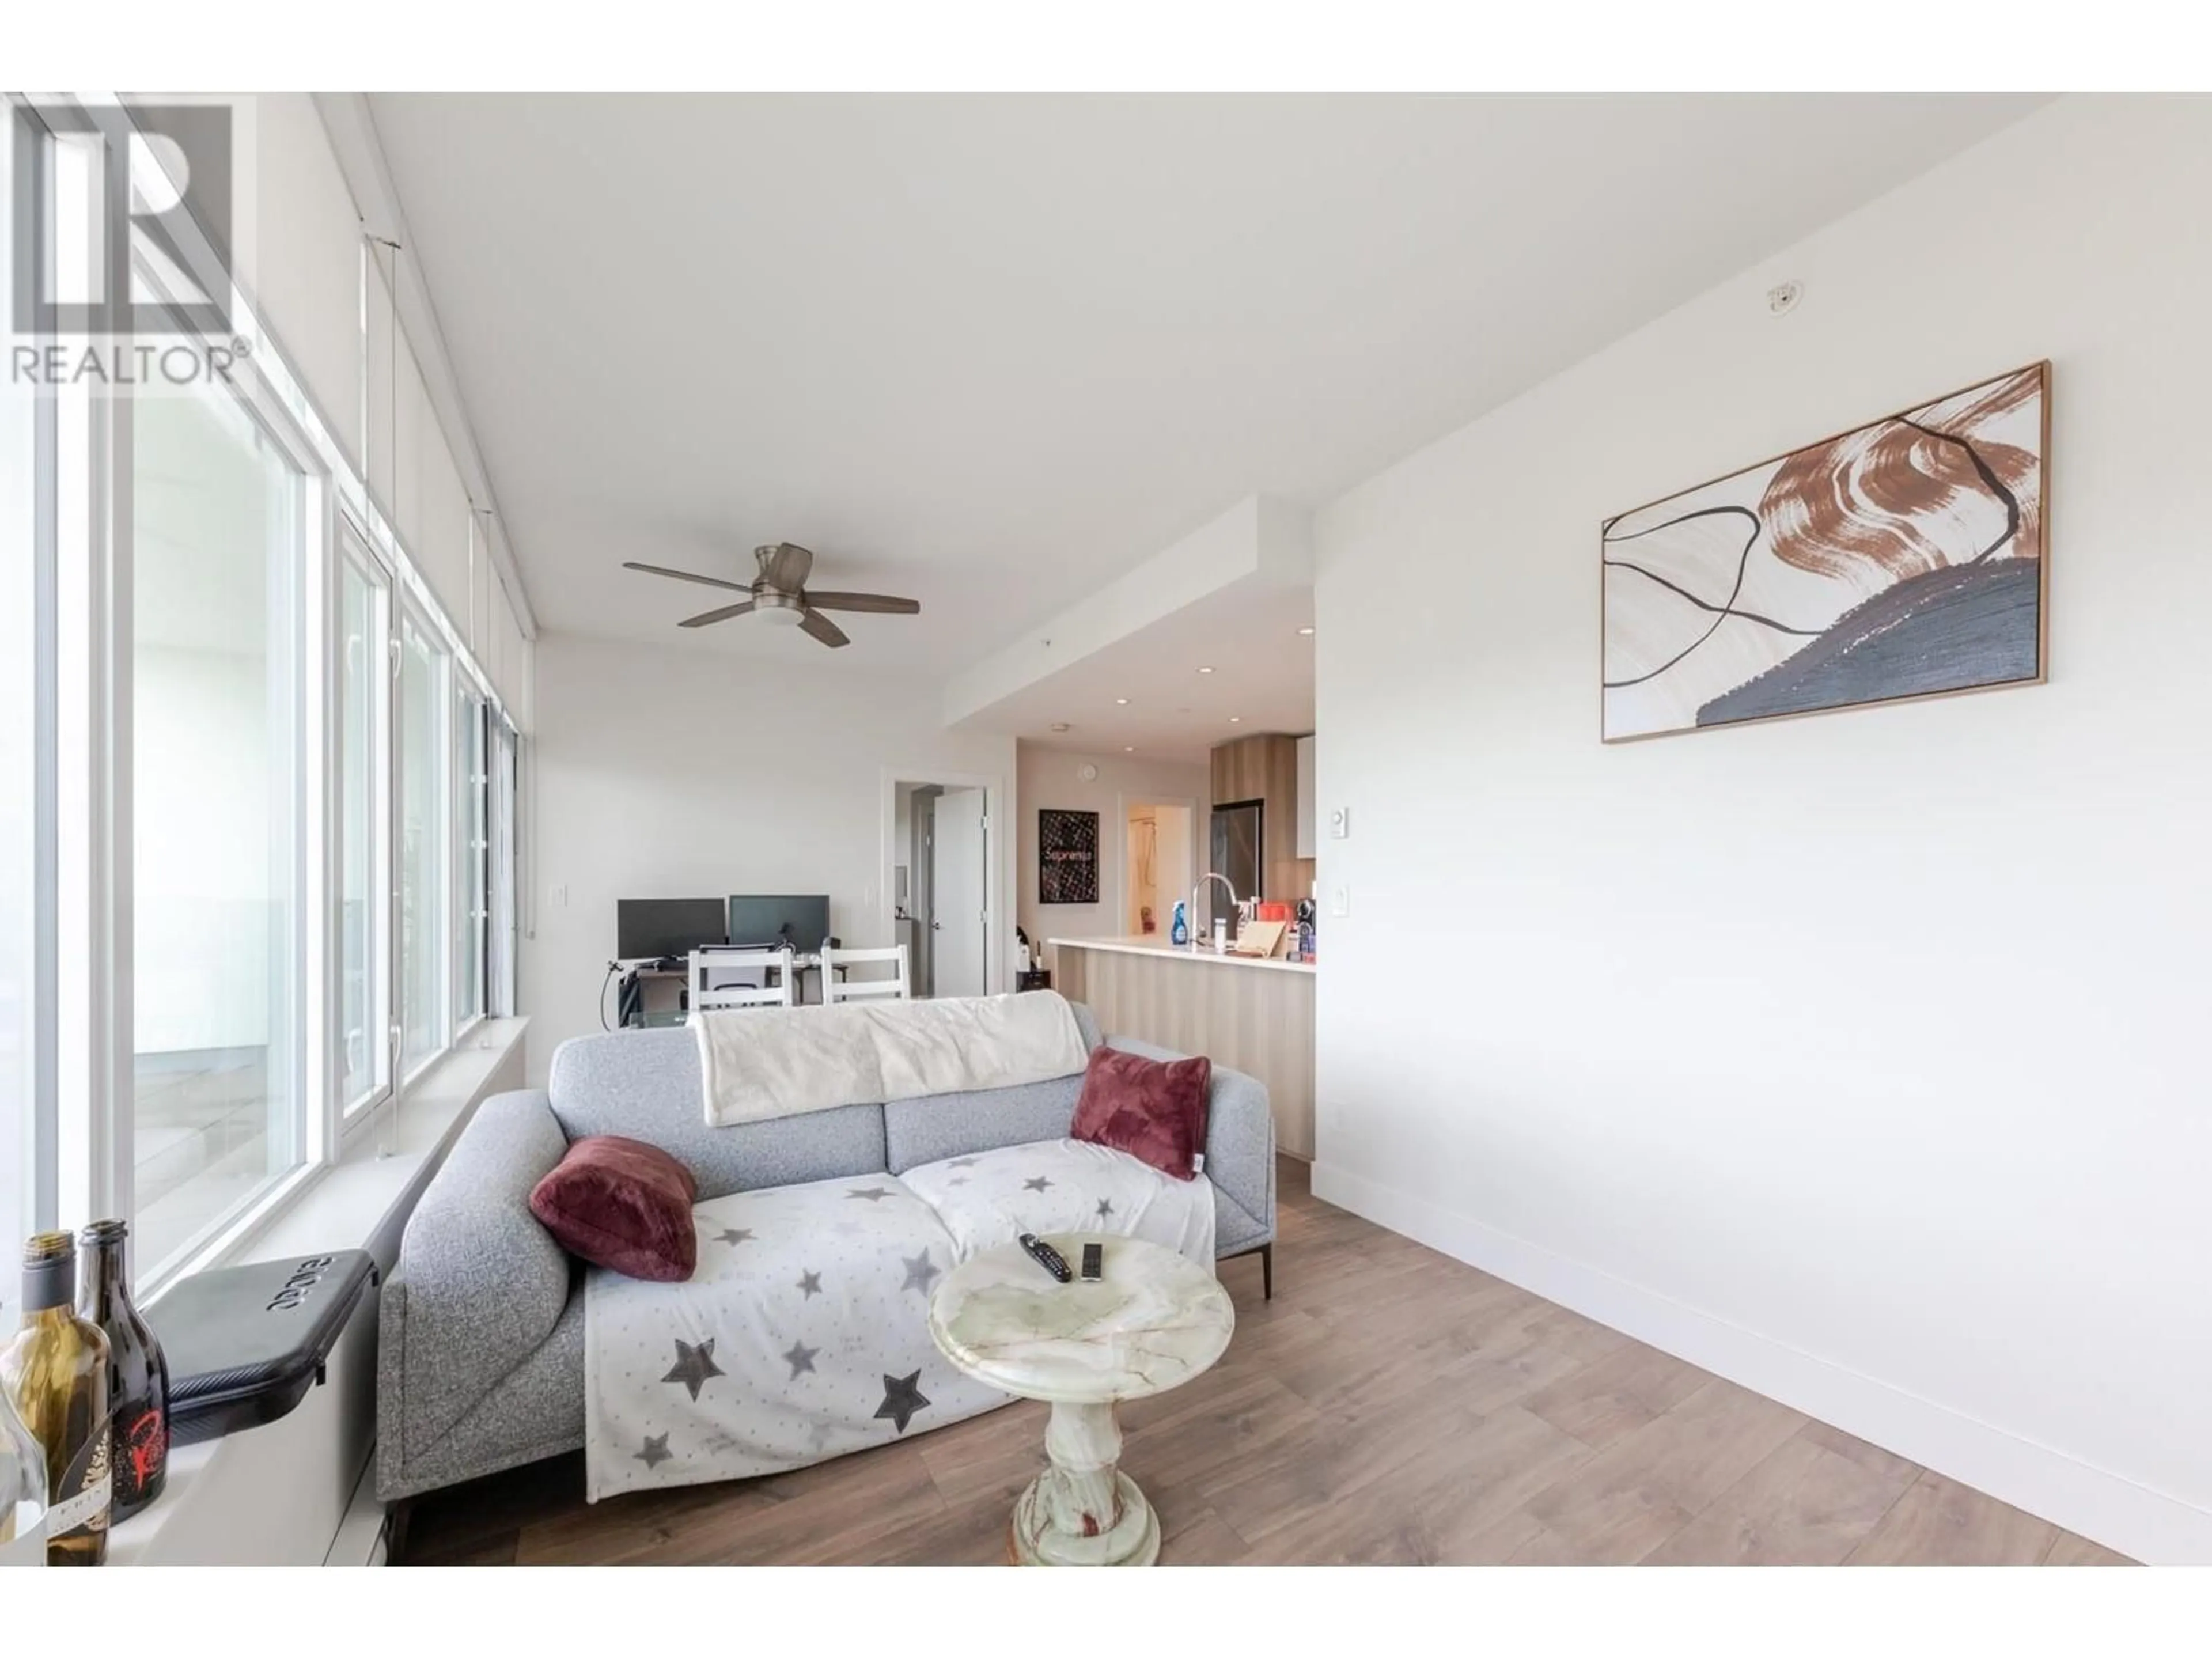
(653, 995)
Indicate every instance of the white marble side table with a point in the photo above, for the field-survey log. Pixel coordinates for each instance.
(1153, 1319)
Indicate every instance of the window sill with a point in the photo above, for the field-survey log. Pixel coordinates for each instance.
(360, 1203)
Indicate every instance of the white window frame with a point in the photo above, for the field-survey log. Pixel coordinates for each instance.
(414, 609)
(277, 418)
(82, 1142)
(354, 550)
(470, 775)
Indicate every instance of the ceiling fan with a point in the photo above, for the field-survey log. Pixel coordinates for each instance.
(780, 595)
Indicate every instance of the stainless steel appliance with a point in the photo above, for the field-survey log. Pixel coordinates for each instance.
(1235, 846)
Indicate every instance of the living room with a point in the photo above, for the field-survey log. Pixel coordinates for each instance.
(924, 828)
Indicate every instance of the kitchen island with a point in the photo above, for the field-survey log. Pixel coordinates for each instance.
(1256, 1014)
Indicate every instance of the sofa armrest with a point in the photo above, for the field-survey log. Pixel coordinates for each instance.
(1240, 1133)
(1240, 1143)
(479, 1284)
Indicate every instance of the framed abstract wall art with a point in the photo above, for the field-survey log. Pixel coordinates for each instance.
(1067, 857)
(1904, 558)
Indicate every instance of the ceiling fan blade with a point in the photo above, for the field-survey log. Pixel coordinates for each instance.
(885, 605)
(687, 576)
(813, 621)
(785, 567)
(723, 615)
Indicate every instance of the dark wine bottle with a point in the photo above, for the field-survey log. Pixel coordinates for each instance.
(137, 1375)
(56, 1375)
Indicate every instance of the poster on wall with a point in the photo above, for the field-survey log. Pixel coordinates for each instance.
(1904, 558)
(1067, 857)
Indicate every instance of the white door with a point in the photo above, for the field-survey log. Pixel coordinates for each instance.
(957, 890)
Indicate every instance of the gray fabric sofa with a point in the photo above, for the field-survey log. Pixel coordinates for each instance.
(480, 1363)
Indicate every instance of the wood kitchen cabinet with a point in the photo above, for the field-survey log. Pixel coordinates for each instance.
(1265, 768)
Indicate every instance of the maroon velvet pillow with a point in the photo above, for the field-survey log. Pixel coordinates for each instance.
(619, 1203)
(1153, 1109)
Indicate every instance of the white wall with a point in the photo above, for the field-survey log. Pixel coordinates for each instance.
(675, 772)
(1856, 1057)
(1050, 777)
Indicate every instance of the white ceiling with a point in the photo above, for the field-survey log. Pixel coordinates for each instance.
(1262, 680)
(993, 351)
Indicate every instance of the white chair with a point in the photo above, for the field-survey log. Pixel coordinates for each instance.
(852, 990)
(713, 987)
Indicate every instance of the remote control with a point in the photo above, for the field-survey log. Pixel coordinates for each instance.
(1093, 1262)
(1046, 1257)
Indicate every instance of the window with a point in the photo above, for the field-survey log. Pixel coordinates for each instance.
(363, 817)
(472, 839)
(499, 993)
(21, 789)
(256, 814)
(218, 542)
(424, 834)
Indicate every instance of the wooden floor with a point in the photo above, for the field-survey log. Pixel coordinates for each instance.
(1389, 1404)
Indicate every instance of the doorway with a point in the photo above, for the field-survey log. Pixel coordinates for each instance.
(1156, 843)
(941, 885)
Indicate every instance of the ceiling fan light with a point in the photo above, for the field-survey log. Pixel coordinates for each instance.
(780, 616)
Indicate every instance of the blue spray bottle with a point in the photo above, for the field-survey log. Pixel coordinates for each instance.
(1179, 929)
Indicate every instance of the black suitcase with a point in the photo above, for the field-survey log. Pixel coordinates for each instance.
(245, 1343)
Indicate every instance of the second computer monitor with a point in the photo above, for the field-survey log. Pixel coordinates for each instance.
(799, 920)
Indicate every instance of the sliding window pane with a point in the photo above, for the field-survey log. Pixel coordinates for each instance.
(469, 836)
(499, 988)
(425, 833)
(363, 1052)
(20, 782)
(219, 539)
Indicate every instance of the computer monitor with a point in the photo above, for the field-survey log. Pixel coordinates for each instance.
(800, 919)
(648, 928)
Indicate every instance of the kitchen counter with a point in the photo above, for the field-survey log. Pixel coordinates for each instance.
(1260, 1022)
(1152, 944)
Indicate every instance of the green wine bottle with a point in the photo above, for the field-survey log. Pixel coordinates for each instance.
(22, 1492)
(56, 1376)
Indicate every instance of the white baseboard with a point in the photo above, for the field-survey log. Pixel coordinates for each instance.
(2150, 1526)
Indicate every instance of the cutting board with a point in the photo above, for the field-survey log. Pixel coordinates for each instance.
(1260, 939)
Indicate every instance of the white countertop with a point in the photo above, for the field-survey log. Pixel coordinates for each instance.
(1151, 945)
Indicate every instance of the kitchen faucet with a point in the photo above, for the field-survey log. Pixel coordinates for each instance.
(1233, 901)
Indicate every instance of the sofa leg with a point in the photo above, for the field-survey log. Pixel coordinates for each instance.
(1267, 1273)
(396, 1517)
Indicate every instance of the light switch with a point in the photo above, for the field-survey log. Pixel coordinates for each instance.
(1339, 823)
(560, 898)
(1339, 901)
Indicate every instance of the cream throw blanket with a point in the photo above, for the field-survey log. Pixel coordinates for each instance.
(778, 1062)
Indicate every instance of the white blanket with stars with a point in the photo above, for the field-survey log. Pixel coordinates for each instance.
(804, 1334)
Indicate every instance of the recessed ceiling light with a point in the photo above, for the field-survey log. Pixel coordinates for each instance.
(1059, 725)
(1205, 671)
(1235, 719)
(1128, 747)
(1124, 701)
(1306, 631)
